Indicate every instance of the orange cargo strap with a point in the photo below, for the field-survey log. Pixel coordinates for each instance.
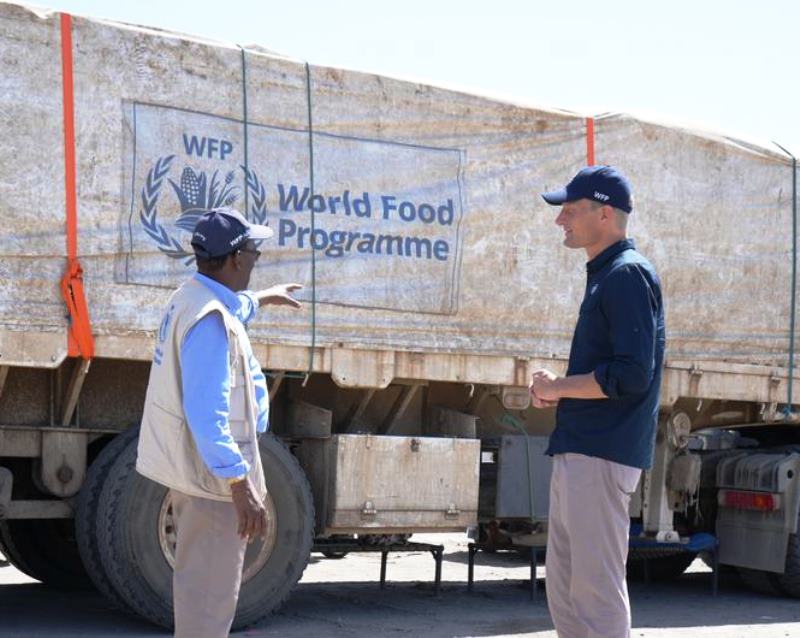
(80, 339)
(590, 141)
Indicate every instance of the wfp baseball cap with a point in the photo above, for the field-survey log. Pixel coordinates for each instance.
(603, 184)
(222, 230)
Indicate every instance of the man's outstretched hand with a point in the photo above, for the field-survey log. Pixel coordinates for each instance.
(279, 295)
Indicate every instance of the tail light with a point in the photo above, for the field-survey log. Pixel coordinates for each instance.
(746, 500)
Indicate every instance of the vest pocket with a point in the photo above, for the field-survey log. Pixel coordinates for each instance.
(179, 452)
(237, 414)
(171, 425)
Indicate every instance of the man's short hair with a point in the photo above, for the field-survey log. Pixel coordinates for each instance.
(210, 264)
(620, 215)
(622, 218)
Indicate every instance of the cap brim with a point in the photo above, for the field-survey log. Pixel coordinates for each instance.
(259, 231)
(555, 198)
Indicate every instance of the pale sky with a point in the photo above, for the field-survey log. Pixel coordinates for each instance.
(726, 66)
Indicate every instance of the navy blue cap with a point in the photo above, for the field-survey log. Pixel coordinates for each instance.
(603, 184)
(222, 230)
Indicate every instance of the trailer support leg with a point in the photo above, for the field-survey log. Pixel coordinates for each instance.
(384, 555)
(437, 556)
(471, 566)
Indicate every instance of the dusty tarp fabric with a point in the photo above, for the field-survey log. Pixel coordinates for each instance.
(428, 230)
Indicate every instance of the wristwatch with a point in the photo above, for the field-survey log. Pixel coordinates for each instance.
(236, 479)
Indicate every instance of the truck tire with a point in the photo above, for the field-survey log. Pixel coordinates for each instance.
(45, 550)
(290, 492)
(86, 528)
(760, 581)
(136, 539)
(337, 555)
(661, 568)
(785, 584)
(788, 583)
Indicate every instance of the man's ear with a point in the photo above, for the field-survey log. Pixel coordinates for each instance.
(236, 260)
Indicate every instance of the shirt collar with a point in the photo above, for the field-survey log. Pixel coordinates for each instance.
(609, 253)
(225, 294)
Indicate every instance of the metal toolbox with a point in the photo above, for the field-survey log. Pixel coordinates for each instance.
(392, 484)
(515, 478)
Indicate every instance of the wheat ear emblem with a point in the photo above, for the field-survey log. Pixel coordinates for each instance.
(148, 215)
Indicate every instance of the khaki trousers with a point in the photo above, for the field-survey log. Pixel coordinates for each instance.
(587, 546)
(208, 566)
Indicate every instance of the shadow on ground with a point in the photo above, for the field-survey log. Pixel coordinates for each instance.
(404, 609)
(500, 558)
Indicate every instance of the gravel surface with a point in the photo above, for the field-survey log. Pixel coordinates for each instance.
(343, 598)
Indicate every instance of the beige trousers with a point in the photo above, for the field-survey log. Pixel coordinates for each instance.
(208, 566)
(587, 546)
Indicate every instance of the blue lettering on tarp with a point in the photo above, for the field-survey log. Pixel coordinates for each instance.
(201, 146)
(337, 243)
(444, 215)
(291, 200)
(295, 200)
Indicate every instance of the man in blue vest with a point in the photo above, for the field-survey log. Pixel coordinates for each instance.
(607, 409)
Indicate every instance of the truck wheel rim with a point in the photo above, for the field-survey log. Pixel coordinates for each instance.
(256, 556)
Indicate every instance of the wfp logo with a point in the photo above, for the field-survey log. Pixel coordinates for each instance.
(163, 329)
(163, 333)
(195, 193)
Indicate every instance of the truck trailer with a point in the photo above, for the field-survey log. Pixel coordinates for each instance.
(434, 284)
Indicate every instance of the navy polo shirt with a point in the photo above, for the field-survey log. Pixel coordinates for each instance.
(620, 338)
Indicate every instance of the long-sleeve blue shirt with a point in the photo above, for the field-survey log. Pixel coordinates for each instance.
(620, 338)
(205, 374)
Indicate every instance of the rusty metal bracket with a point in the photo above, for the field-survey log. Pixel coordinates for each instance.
(73, 391)
(352, 420)
(399, 408)
(63, 465)
(276, 384)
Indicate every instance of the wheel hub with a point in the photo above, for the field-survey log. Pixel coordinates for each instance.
(256, 555)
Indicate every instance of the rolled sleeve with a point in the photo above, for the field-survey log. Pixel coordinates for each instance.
(262, 395)
(248, 306)
(248, 309)
(205, 376)
(629, 305)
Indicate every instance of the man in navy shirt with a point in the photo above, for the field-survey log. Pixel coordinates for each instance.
(607, 409)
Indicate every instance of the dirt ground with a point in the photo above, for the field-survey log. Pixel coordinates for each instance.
(343, 598)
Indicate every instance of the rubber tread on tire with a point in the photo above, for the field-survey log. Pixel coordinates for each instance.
(86, 527)
(45, 550)
(137, 569)
(788, 582)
